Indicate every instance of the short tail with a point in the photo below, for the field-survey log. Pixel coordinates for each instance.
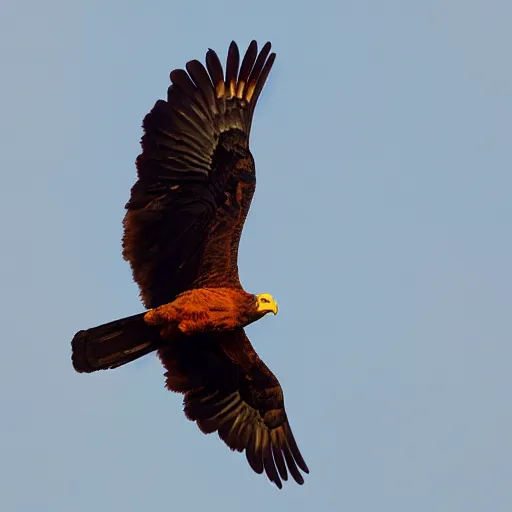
(114, 344)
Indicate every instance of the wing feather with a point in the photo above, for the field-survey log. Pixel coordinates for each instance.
(187, 190)
(245, 70)
(232, 63)
(232, 392)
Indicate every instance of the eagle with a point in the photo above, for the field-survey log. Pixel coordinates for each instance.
(184, 219)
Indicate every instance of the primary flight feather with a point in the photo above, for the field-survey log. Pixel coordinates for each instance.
(196, 179)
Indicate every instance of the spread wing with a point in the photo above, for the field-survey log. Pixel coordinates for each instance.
(196, 177)
(228, 389)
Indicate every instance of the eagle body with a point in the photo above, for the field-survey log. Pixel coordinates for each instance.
(182, 228)
(209, 310)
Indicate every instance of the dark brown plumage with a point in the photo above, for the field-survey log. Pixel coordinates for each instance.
(196, 179)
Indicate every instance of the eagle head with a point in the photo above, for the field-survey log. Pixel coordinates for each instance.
(265, 303)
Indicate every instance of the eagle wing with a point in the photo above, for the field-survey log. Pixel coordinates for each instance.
(194, 188)
(230, 390)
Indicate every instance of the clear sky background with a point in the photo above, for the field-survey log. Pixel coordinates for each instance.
(381, 223)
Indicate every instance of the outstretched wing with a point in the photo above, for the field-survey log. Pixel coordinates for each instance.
(230, 390)
(195, 177)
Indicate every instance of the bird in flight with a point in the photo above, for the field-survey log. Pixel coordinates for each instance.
(196, 179)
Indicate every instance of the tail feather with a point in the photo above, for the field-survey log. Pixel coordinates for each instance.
(114, 344)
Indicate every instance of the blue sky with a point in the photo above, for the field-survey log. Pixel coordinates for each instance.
(381, 223)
